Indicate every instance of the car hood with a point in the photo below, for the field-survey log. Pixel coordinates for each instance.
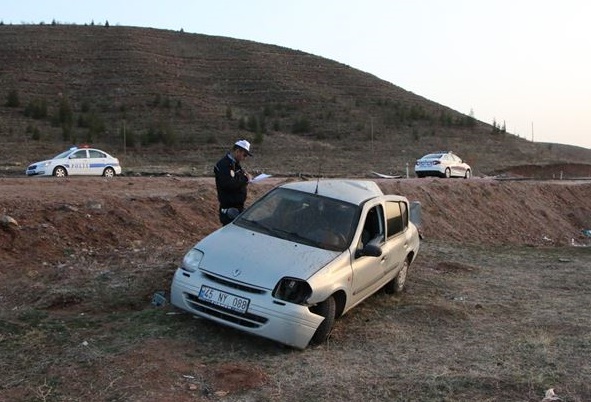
(259, 259)
(42, 162)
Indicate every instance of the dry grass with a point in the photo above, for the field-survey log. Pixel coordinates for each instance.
(503, 317)
(496, 324)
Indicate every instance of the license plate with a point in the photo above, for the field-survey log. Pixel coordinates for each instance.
(223, 299)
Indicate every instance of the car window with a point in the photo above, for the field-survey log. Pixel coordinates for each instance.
(96, 154)
(373, 227)
(405, 215)
(394, 219)
(79, 154)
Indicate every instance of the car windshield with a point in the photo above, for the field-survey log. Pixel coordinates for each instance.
(62, 155)
(303, 218)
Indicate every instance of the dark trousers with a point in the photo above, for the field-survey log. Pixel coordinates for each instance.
(227, 215)
(224, 218)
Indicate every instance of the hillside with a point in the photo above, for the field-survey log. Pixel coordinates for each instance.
(180, 99)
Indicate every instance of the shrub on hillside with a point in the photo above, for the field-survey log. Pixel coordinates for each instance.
(36, 109)
(12, 99)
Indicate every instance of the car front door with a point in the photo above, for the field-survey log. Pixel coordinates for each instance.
(79, 162)
(368, 270)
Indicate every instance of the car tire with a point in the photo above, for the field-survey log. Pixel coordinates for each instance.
(468, 174)
(447, 173)
(396, 285)
(326, 309)
(109, 172)
(60, 172)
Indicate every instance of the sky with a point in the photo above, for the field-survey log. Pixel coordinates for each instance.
(522, 63)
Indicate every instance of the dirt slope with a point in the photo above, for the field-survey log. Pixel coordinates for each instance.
(97, 218)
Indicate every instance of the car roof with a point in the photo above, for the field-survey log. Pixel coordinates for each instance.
(352, 191)
(437, 153)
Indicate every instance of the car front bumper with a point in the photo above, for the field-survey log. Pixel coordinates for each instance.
(34, 172)
(274, 319)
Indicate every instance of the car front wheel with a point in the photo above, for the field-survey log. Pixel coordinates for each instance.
(109, 172)
(326, 309)
(60, 172)
(396, 285)
(468, 174)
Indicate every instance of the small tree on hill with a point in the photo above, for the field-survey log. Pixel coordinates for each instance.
(12, 99)
(65, 118)
(301, 125)
(258, 138)
(36, 109)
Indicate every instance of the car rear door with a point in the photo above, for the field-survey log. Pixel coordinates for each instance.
(394, 250)
(97, 162)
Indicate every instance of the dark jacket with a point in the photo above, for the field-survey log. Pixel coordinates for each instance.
(231, 183)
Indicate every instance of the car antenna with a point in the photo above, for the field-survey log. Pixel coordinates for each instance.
(318, 177)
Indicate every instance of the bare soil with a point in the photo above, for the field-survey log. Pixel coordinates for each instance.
(496, 308)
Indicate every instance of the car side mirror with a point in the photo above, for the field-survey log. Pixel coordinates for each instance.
(370, 250)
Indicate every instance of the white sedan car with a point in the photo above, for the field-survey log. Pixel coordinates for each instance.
(77, 161)
(443, 164)
(298, 258)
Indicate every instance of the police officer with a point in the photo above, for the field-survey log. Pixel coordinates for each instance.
(231, 181)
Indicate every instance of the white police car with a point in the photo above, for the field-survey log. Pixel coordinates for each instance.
(77, 161)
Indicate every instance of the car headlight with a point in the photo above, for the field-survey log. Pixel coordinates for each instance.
(46, 164)
(292, 290)
(191, 260)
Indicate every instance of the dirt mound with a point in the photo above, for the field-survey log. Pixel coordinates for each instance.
(99, 217)
(70, 228)
(548, 171)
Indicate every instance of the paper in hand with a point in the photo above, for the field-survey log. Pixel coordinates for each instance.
(260, 177)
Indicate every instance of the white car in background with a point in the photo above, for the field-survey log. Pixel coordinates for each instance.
(298, 258)
(442, 164)
(77, 161)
